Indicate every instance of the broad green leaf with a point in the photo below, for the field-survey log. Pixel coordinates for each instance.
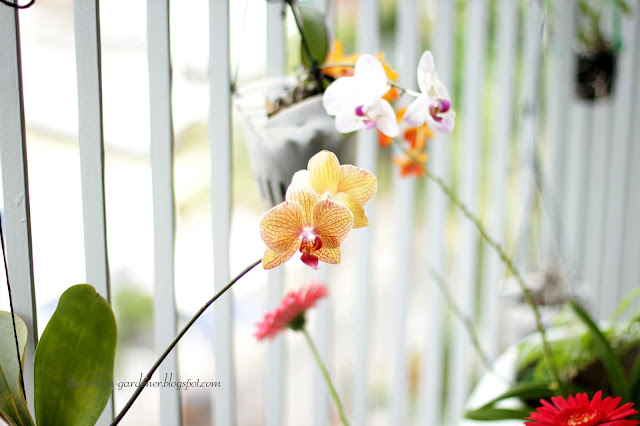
(491, 413)
(611, 361)
(13, 407)
(315, 33)
(74, 360)
(524, 391)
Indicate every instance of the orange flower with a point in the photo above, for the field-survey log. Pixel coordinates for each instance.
(336, 56)
(412, 164)
(346, 184)
(307, 224)
(416, 137)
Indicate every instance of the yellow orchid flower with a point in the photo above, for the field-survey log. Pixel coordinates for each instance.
(347, 184)
(305, 223)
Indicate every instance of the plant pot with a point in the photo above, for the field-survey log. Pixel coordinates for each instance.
(595, 73)
(282, 144)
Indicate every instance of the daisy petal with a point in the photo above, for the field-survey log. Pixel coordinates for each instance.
(328, 255)
(371, 73)
(306, 198)
(324, 172)
(281, 226)
(359, 217)
(332, 222)
(417, 111)
(361, 184)
(426, 68)
(272, 259)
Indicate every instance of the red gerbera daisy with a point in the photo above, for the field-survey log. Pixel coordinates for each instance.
(290, 313)
(579, 411)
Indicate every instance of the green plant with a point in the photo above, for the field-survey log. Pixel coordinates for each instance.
(589, 26)
(589, 358)
(73, 367)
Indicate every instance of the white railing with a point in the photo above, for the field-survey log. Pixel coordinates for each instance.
(590, 180)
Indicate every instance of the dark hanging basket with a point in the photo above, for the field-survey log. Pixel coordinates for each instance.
(282, 144)
(596, 73)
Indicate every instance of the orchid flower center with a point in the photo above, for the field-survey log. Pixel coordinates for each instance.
(369, 122)
(439, 106)
(310, 241)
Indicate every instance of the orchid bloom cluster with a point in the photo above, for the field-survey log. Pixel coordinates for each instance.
(360, 99)
(322, 204)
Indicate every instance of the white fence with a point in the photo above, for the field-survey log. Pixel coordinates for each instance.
(515, 145)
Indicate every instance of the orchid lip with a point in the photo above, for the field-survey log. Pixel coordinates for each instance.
(445, 105)
(370, 124)
(360, 111)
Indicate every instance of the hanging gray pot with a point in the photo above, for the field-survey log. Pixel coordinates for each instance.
(282, 144)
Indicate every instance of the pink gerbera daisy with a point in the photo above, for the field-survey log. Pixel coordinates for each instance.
(290, 313)
(579, 411)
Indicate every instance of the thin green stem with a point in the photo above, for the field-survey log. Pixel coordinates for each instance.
(505, 259)
(175, 341)
(467, 322)
(327, 379)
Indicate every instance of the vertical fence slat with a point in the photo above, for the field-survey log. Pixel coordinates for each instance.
(321, 404)
(15, 187)
(630, 277)
(620, 150)
(528, 136)
(274, 383)
(577, 148)
(474, 59)
(220, 145)
(404, 190)
(430, 392)
(558, 90)
(91, 143)
(161, 132)
(368, 41)
(597, 194)
(502, 134)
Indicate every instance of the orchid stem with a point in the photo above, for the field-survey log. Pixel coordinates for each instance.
(505, 259)
(327, 379)
(175, 341)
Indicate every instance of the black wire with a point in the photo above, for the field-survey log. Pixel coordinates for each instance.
(13, 315)
(17, 6)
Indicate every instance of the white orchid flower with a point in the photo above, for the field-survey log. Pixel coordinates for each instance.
(433, 105)
(357, 102)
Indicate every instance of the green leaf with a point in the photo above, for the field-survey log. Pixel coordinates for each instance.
(609, 358)
(74, 360)
(524, 391)
(634, 381)
(13, 407)
(624, 7)
(315, 33)
(491, 413)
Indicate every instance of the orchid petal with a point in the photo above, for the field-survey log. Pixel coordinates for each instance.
(340, 95)
(426, 71)
(306, 198)
(348, 122)
(324, 172)
(281, 226)
(328, 255)
(386, 119)
(301, 179)
(370, 74)
(272, 259)
(417, 111)
(331, 222)
(446, 123)
(359, 217)
(359, 183)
